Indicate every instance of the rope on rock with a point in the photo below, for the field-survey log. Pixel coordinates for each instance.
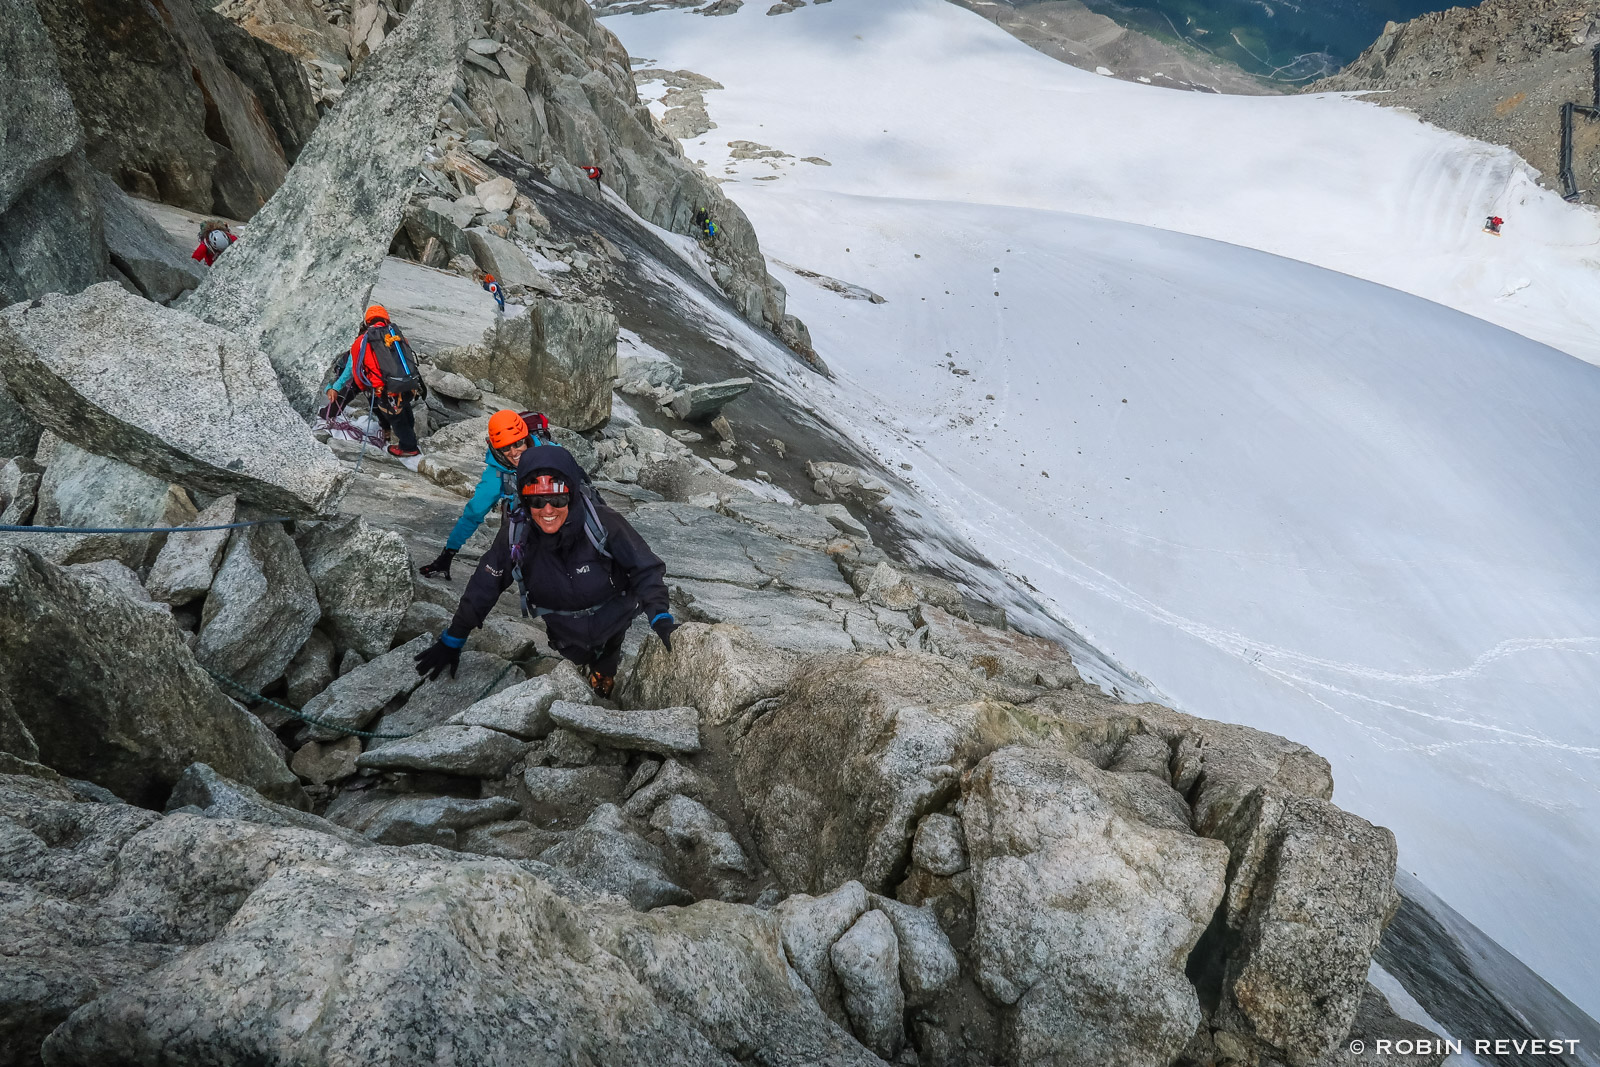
(137, 529)
(249, 694)
(302, 716)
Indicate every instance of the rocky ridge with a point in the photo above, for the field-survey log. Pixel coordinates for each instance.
(851, 817)
(1498, 72)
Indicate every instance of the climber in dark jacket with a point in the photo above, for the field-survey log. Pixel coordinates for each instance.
(587, 593)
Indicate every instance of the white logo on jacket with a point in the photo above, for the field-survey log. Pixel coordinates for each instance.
(582, 570)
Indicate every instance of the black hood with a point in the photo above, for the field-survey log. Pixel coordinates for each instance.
(552, 458)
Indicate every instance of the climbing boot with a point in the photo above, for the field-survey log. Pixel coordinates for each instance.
(403, 453)
(439, 568)
(602, 684)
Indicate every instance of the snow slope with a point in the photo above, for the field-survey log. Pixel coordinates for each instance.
(1286, 496)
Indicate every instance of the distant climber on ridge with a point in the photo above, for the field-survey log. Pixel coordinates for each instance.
(1492, 224)
(494, 290)
(510, 435)
(705, 224)
(381, 365)
(215, 237)
(581, 567)
(595, 174)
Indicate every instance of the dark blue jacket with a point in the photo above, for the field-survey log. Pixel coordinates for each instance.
(564, 571)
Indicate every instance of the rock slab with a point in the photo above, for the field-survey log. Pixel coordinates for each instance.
(113, 699)
(184, 401)
(666, 732)
(300, 280)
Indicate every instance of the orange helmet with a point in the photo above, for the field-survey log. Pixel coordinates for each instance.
(488, 277)
(375, 313)
(506, 428)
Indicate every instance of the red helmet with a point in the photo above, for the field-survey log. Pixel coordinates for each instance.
(544, 485)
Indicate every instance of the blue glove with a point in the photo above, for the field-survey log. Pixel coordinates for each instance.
(663, 624)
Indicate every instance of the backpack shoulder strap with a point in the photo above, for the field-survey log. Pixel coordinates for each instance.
(593, 527)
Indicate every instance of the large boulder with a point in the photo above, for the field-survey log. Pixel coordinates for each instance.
(261, 608)
(356, 697)
(85, 490)
(465, 751)
(19, 490)
(111, 698)
(719, 670)
(1085, 912)
(608, 856)
(867, 961)
(188, 562)
(559, 357)
(836, 776)
(508, 263)
(202, 789)
(410, 956)
(50, 226)
(181, 400)
(1310, 888)
(144, 252)
(363, 580)
(300, 279)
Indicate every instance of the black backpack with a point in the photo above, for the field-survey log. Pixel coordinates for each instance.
(398, 371)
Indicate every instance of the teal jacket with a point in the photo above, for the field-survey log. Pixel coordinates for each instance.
(498, 484)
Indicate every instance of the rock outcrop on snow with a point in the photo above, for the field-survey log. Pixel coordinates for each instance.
(181, 399)
(1497, 71)
(559, 92)
(298, 284)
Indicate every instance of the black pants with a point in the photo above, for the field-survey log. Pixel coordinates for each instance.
(400, 421)
(405, 428)
(603, 659)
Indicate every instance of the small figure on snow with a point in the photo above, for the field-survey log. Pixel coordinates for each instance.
(494, 290)
(1492, 224)
(215, 238)
(595, 174)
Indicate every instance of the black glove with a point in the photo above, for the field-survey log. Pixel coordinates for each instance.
(432, 660)
(439, 568)
(663, 624)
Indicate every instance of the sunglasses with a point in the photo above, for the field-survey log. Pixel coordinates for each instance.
(548, 500)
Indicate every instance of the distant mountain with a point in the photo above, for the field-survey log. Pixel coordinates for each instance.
(1248, 46)
(1498, 72)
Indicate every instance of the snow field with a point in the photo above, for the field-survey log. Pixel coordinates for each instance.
(1287, 496)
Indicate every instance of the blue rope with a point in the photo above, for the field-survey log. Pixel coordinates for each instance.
(135, 529)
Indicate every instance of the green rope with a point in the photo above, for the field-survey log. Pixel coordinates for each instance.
(302, 716)
(314, 721)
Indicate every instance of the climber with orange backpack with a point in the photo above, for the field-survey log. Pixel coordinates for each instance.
(381, 365)
(510, 435)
